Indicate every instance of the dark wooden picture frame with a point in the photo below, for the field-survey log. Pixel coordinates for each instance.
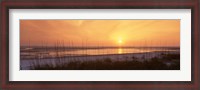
(194, 84)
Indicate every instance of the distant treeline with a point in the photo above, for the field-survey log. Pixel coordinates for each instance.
(39, 48)
(97, 47)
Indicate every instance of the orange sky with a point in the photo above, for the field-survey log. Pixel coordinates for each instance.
(101, 32)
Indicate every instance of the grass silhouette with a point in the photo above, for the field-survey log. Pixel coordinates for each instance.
(155, 63)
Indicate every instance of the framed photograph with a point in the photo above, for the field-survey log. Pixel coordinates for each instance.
(148, 44)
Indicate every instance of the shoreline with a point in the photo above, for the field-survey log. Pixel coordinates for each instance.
(87, 55)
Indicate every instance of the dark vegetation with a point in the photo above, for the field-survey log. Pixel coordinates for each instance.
(165, 62)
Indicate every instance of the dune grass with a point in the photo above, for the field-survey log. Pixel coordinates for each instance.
(109, 64)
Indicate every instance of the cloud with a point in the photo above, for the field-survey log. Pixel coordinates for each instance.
(107, 31)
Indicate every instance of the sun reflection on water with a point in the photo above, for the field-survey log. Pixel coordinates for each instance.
(120, 51)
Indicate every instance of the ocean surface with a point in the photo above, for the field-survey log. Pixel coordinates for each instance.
(28, 52)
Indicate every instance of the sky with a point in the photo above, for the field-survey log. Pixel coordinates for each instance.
(100, 32)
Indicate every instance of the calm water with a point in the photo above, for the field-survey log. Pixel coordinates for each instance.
(90, 51)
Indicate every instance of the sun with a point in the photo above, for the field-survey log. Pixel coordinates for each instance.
(120, 41)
